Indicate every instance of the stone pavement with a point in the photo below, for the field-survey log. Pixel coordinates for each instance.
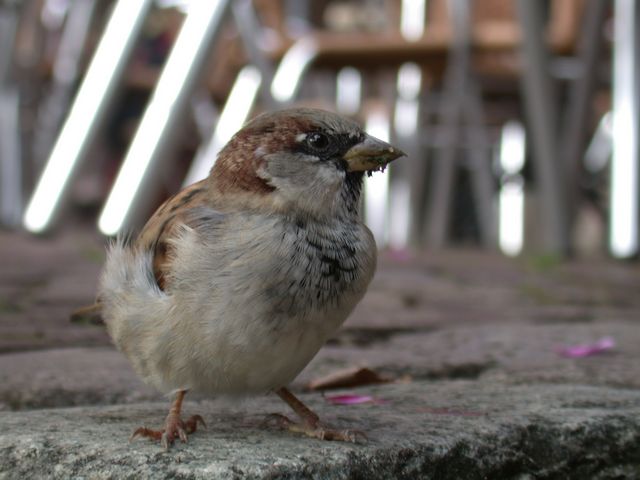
(473, 339)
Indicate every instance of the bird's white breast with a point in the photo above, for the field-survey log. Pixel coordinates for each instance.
(251, 301)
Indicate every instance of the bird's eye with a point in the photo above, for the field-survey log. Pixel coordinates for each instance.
(318, 141)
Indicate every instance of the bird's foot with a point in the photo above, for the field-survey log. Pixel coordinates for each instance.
(316, 429)
(174, 427)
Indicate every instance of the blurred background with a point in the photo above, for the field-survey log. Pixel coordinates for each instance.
(520, 118)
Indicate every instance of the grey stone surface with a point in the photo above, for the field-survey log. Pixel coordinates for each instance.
(437, 430)
(41, 281)
(503, 353)
(68, 377)
(512, 353)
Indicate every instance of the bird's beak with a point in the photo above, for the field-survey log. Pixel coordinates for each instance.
(371, 154)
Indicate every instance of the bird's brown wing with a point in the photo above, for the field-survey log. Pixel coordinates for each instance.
(154, 236)
(162, 224)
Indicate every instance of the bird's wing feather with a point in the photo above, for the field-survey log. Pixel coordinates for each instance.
(190, 207)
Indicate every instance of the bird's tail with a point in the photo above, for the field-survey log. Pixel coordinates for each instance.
(91, 315)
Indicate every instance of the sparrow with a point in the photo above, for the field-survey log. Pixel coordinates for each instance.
(236, 282)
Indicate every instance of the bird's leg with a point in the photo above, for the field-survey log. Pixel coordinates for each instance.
(174, 426)
(310, 424)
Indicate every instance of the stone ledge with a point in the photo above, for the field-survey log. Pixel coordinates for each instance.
(440, 430)
(510, 354)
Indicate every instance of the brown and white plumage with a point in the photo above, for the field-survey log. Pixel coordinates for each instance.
(237, 281)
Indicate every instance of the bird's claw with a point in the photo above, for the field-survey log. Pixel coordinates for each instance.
(174, 428)
(318, 430)
(324, 433)
(191, 425)
(352, 436)
(146, 432)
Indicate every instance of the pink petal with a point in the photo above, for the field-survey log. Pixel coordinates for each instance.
(585, 350)
(352, 399)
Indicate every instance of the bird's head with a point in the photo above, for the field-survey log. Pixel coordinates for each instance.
(307, 160)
